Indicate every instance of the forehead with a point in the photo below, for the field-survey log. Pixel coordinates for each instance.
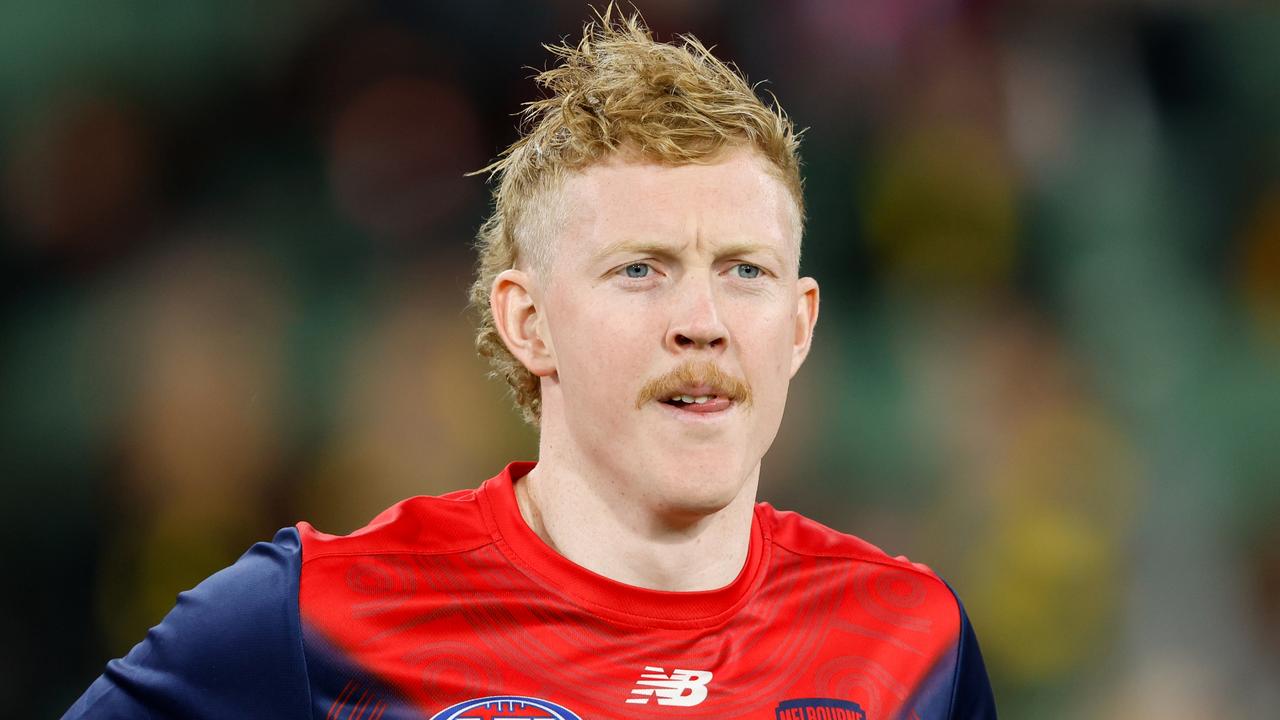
(731, 201)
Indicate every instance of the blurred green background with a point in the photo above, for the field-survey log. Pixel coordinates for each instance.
(236, 242)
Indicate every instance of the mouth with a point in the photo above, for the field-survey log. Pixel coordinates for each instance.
(701, 402)
(697, 392)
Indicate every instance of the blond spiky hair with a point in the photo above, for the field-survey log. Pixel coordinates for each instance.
(618, 89)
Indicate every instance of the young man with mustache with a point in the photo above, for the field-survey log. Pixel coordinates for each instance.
(640, 291)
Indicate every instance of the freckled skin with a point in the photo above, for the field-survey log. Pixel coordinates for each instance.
(656, 266)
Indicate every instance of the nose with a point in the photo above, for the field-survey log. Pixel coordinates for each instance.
(695, 321)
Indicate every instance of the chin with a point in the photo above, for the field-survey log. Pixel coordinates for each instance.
(691, 493)
(688, 510)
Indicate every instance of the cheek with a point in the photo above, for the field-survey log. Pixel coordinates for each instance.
(765, 350)
(765, 339)
(604, 353)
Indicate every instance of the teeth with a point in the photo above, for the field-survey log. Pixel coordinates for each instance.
(689, 399)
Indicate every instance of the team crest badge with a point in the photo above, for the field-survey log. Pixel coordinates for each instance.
(819, 709)
(505, 706)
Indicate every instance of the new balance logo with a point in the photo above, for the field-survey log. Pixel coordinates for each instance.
(682, 687)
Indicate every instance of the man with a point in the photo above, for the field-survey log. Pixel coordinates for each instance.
(640, 291)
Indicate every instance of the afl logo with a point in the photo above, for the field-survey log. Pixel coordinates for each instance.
(505, 706)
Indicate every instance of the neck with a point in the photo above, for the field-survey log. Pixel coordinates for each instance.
(571, 507)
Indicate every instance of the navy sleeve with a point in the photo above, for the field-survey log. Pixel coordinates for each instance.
(971, 697)
(231, 647)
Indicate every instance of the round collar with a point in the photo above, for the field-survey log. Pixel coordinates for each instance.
(599, 594)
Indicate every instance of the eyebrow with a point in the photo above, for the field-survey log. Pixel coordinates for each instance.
(656, 249)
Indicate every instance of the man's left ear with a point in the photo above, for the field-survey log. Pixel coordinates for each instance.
(806, 317)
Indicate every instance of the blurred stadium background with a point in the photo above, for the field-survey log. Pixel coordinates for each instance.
(236, 250)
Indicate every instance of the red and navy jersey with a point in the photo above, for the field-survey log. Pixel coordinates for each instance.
(451, 608)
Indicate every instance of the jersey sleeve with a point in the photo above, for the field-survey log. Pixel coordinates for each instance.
(971, 697)
(231, 647)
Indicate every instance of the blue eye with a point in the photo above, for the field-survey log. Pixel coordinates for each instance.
(747, 271)
(636, 270)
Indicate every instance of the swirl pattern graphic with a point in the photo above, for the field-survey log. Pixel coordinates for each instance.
(889, 596)
(389, 583)
(849, 677)
(450, 671)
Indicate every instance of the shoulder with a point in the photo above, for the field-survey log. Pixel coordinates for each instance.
(230, 645)
(441, 524)
(896, 595)
(900, 595)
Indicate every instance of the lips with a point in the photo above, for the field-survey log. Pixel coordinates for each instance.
(712, 408)
(712, 405)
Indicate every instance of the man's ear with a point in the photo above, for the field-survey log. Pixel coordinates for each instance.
(806, 317)
(520, 323)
